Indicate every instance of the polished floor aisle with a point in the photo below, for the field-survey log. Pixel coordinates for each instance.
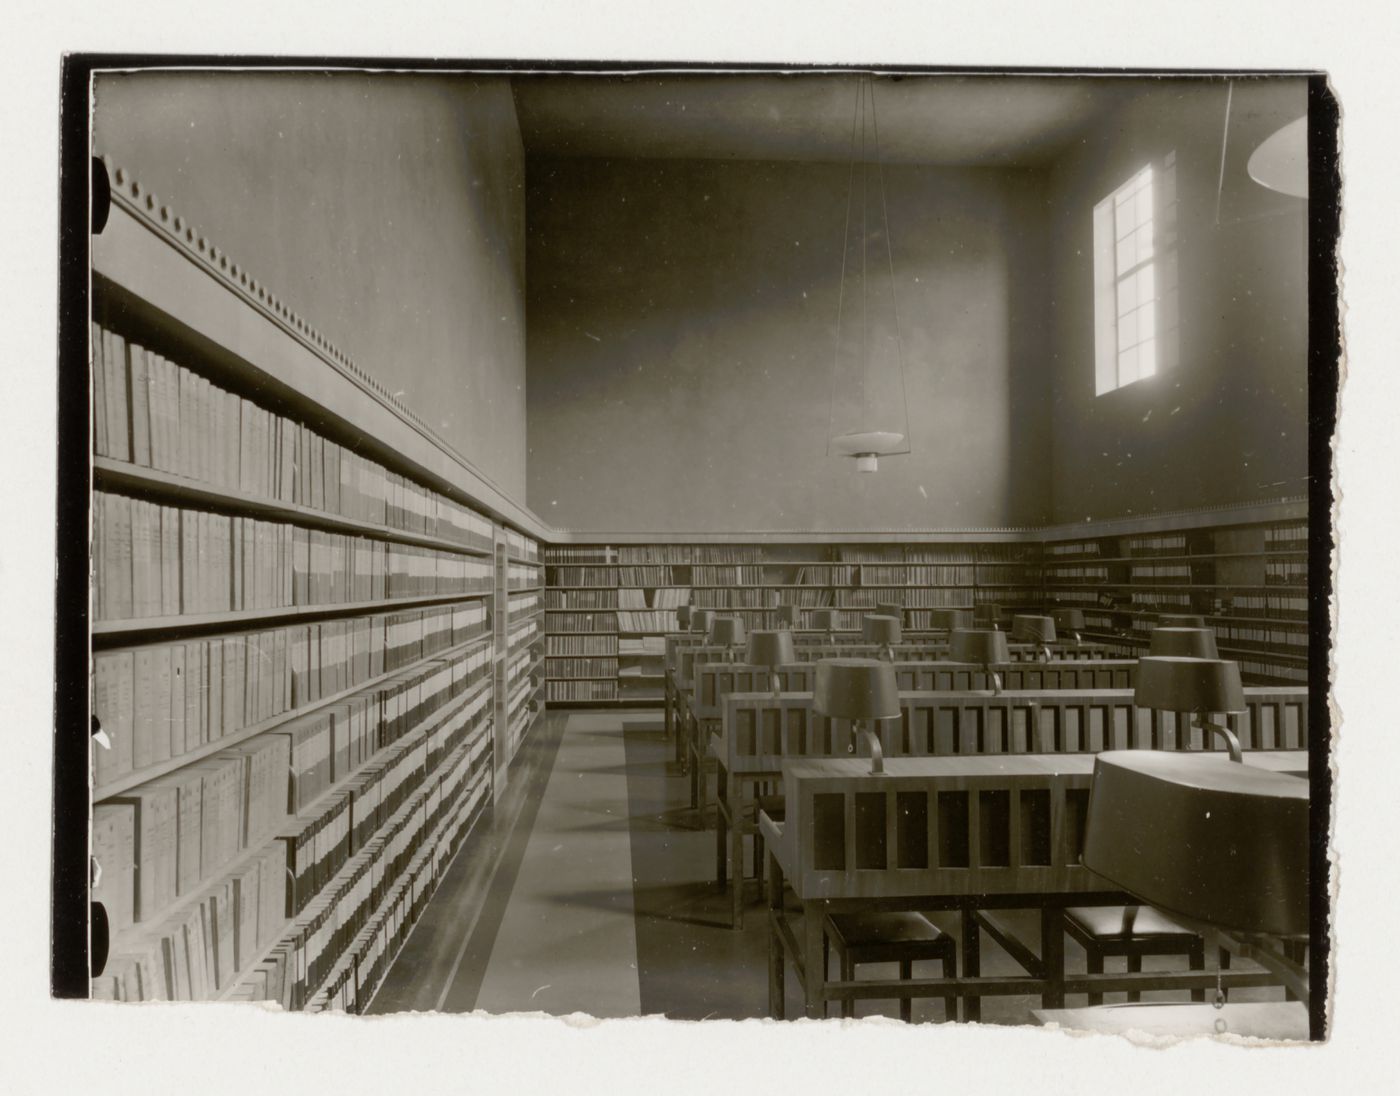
(593, 891)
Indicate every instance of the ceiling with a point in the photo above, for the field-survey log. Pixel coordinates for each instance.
(934, 119)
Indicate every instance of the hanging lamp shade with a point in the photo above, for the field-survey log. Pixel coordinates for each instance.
(855, 688)
(1071, 620)
(1032, 628)
(948, 619)
(824, 620)
(881, 630)
(1180, 620)
(771, 647)
(683, 617)
(984, 646)
(787, 615)
(1281, 160)
(726, 632)
(1184, 642)
(1176, 684)
(1202, 838)
(700, 620)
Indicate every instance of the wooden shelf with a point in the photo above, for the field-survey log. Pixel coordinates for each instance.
(152, 772)
(231, 621)
(119, 475)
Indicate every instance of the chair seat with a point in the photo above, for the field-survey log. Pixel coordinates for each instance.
(1106, 922)
(880, 929)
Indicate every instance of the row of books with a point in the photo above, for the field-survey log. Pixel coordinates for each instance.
(569, 553)
(583, 645)
(666, 597)
(580, 599)
(645, 576)
(1279, 606)
(1286, 538)
(567, 691)
(522, 635)
(1286, 572)
(582, 667)
(1293, 639)
(734, 598)
(1064, 573)
(1161, 573)
(654, 620)
(687, 553)
(1257, 669)
(524, 604)
(825, 576)
(581, 576)
(522, 576)
(1165, 544)
(164, 561)
(350, 982)
(1073, 550)
(153, 413)
(916, 575)
(164, 839)
(161, 701)
(580, 622)
(728, 576)
(640, 646)
(522, 547)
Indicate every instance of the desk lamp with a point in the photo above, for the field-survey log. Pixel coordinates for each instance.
(1183, 642)
(1199, 686)
(786, 616)
(862, 690)
(700, 620)
(1180, 620)
(1039, 630)
(889, 609)
(948, 619)
(726, 632)
(772, 648)
(824, 620)
(683, 618)
(1071, 620)
(882, 631)
(984, 646)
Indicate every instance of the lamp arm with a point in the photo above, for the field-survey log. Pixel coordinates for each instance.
(877, 752)
(1232, 742)
(996, 680)
(776, 682)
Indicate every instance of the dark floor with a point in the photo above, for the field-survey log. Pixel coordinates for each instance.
(689, 964)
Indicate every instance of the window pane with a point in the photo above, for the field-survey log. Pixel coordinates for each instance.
(1143, 236)
(1144, 205)
(1127, 330)
(1127, 366)
(1146, 284)
(1127, 254)
(1127, 294)
(1124, 221)
(1147, 321)
(1146, 358)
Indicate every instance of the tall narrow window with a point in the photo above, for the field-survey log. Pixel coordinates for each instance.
(1129, 286)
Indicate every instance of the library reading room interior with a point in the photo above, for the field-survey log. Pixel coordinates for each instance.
(709, 545)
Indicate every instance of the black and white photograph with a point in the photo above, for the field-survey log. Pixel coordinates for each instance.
(840, 549)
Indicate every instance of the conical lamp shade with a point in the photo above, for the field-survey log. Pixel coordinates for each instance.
(855, 688)
(771, 648)
(824, 620)
(1202, 837)
(948, 619)
(1032, 629)
(1176, 684)
(700, 620)
(683, 617)
(1071, 620)
(984, 646)
(1184, 642)
(880, 629)
(726, 632)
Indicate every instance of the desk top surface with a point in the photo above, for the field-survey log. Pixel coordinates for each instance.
(1282, 761)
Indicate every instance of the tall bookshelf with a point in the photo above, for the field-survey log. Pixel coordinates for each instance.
(1250, 582)
(608, 606)
(299, 616)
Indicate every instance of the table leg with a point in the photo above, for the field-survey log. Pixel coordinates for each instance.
(1052, 955)
(972, 964)
(777, 990)
(736, 859)
(813, 933)
(721, 827)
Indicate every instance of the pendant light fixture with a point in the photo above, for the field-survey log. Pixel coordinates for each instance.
(878, 432)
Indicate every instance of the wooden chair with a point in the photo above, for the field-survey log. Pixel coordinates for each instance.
(1132, 932)
(902, 937)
